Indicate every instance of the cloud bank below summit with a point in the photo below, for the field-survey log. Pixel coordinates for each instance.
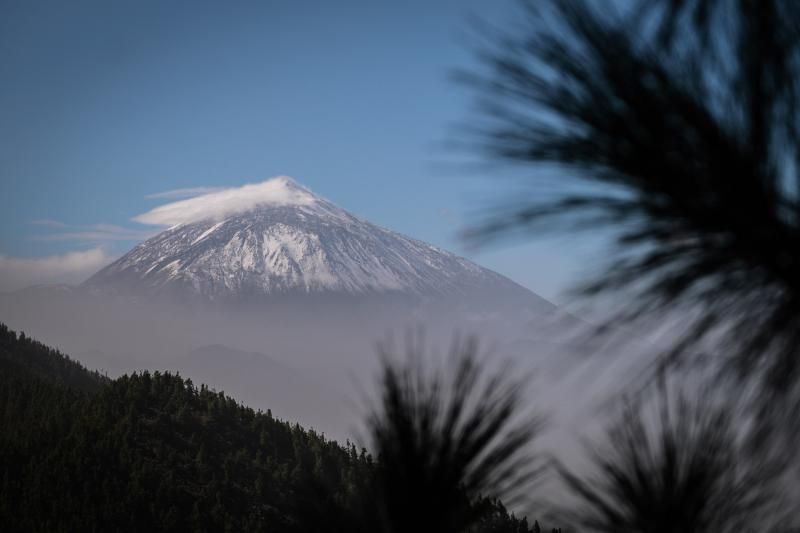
(20, 272)
(222, 203)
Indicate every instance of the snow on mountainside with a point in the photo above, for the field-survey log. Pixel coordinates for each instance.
(280, 237)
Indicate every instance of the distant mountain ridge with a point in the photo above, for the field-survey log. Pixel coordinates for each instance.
(298, 243)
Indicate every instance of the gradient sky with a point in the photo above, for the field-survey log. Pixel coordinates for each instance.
(104, 103)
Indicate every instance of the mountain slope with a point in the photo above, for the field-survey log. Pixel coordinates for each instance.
(292, 241)
(23, 356)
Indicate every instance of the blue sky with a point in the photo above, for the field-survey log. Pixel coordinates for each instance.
(106, 103)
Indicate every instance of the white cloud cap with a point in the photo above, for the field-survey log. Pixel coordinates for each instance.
(220, 204)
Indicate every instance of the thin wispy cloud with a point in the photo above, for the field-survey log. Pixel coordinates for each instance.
(180, 194)
(48, 222)
(277, 191)
(94, 233)
(72, 267)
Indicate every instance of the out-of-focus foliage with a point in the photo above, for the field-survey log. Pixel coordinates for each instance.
(674, 124)
(444, 440)
(677, 467)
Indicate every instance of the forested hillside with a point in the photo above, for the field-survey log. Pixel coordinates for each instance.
(22, 356)
(152, 451)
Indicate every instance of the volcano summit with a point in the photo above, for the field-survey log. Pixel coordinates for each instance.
(278, 237)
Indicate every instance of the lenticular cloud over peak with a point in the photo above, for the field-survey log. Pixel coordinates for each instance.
(282, 190)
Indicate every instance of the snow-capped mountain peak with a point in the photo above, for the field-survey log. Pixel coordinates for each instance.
(279, 237)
